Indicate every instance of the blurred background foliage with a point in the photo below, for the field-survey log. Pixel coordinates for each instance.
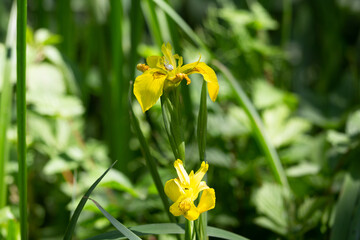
(298, 61)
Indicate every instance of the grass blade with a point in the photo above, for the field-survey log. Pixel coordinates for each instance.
(286, 22)
(71, 227)
(5, 104)
(144, 230)
(150, 14)
(137, 23)
(181, 23)
(66, 25)
(118, 90)
(21, 112)
(120, 227)
(347, 220)
(257, 125)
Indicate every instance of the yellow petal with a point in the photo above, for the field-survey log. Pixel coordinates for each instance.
(208, 74)
(196, 190)
(181, 172)
(192, 214)
(153, 61)
(202, 186)
(207, 200)
(175, 210)
(166, 50)
(198, 176)
(148, 88)
(173, 190)
(187, 68)
(180, 61)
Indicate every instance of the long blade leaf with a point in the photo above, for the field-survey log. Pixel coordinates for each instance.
(119, 226)
(347, 220)
(181, 23)
(71, 227)
(167, 228)
(257, 125)
(21, 113)
(220, 233)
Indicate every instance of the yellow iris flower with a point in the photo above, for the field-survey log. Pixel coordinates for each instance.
(168, 71)
(185, 189)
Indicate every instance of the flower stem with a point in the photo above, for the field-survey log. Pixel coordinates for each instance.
(172, 120)
(202, 123)
(189, 228)
(201, 223)
(21, 113)
(150, 162)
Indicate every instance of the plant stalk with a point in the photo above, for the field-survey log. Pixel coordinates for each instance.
(150, 162)
(171, 112)
(21, 113)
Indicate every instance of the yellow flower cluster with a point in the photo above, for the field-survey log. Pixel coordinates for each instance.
(185, 189)
(167, 71)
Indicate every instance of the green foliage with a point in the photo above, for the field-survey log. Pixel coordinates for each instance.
(297, 64)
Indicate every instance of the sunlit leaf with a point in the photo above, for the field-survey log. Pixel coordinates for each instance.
(302, 169)
(270, 202)
(353, 124)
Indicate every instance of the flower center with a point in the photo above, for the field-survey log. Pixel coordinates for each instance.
(185, 205)
(168, 67)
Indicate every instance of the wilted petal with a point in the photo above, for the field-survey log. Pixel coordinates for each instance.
(148, 88)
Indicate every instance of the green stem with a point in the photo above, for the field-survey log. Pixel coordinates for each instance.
(202, 123)
(257, 125)
(21, 112)
(119, 88)
(188, 116)
(286, 22)
(202, 226)
(189, 228)
(65, 27)
(5, 104)
(182, 24)
(136, 22)
(154, 24)
(150, 162)
(171, 112)
(201, 222)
